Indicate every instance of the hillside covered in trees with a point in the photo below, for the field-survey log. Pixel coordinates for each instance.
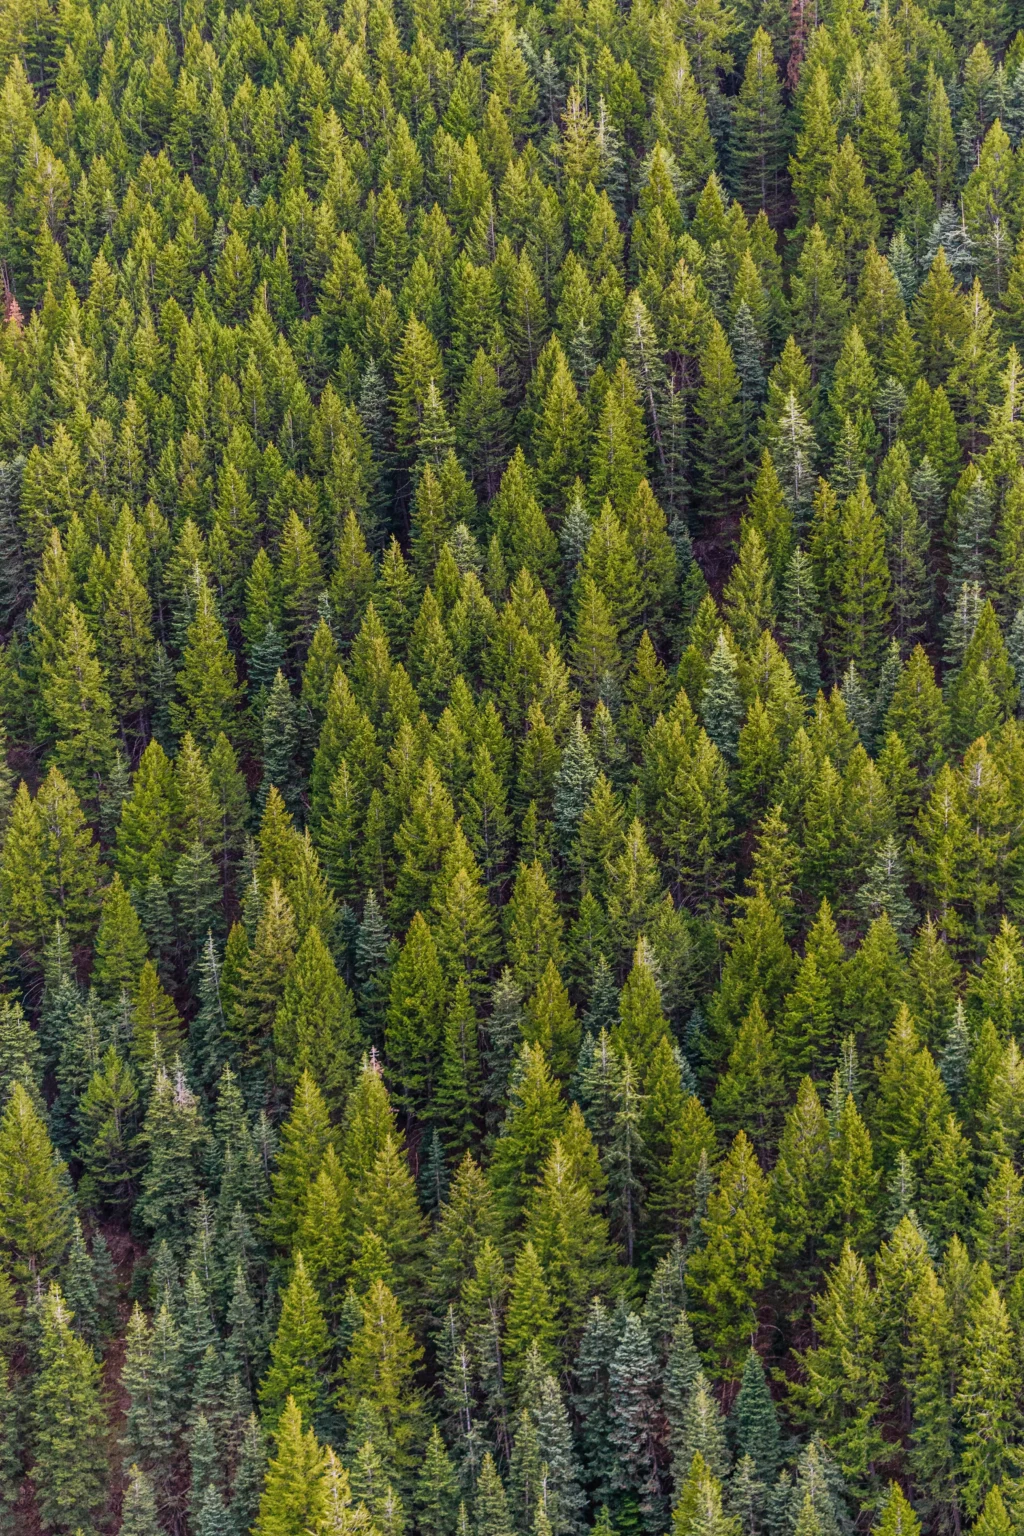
(511, 768)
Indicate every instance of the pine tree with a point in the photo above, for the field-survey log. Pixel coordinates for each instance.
(530, 1322)
(862, 584)
(34, 1215)
(793, 450)
(298, 1354)
(702, 1431)
(78, 1285)
(294, 1495)
(816, 144)
(720, 425)
(699, 1505)
(305, 1138)
(807, 1031)
(414, 1019)
(79, 705)
(755, 1421)
(437, 1490)
(985, 1398)
(566, 1227)
(138, 1510)
(819, 306)
(380, 1367)
(280, 738)
(749, 1095)
(386, 1199)
(573, 785)
(315, 1027)
(68, 1423)
(491, 1503)
(800, 623)
(726, 1274)
(49, 866)
(204, 1467)
(759, 132)
(175, 1136)
(249, 1475)
(207, 683)
(10, 1459)
(721, 703)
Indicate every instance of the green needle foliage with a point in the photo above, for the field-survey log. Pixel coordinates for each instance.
(511, 769)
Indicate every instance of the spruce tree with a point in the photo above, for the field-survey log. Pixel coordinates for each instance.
(985, 1398)
(294, 1495)
(138, 1510)
(721, 703)
(297, 1355)
(725, 1275)
(10, 1459)
(70, 1465)
(35, 1220)
(755, 1422)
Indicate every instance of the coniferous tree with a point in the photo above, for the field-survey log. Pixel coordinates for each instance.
(297, 1354)
(35, 1222)
(294, 1496)
(439, 471)
(843, 1386)
(10, 1459)
(138, 1517)
(726, 1274)
(68, 1423)
(755, 1421)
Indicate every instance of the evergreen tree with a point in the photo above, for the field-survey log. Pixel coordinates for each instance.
(985, 1398)
(297, 1354)
(437, 1490)
(635, 1426)
(79, 705)
(35, 1224)
(315, 1027)
(721, 704)
(175, 1136)
(294, 1495)
(380, 1368)
(844, 1374)
(701, 1431)
(68, 1423)
(138, 1517)
(207, 683)
(10, 1459)
(699, 1505)
(720, 425)
(755, 1422)
(727, 1272)
(759, 130)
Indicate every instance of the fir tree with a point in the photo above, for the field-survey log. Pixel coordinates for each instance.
(34, 1216)
(725, 1275)
(68, 1422)
(721, 705)
(297, 1354)
(294, 1495)
(755, 1422)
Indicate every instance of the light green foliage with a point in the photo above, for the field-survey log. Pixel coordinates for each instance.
(511, 768)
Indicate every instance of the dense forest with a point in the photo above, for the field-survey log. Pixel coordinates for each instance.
(511, 768)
